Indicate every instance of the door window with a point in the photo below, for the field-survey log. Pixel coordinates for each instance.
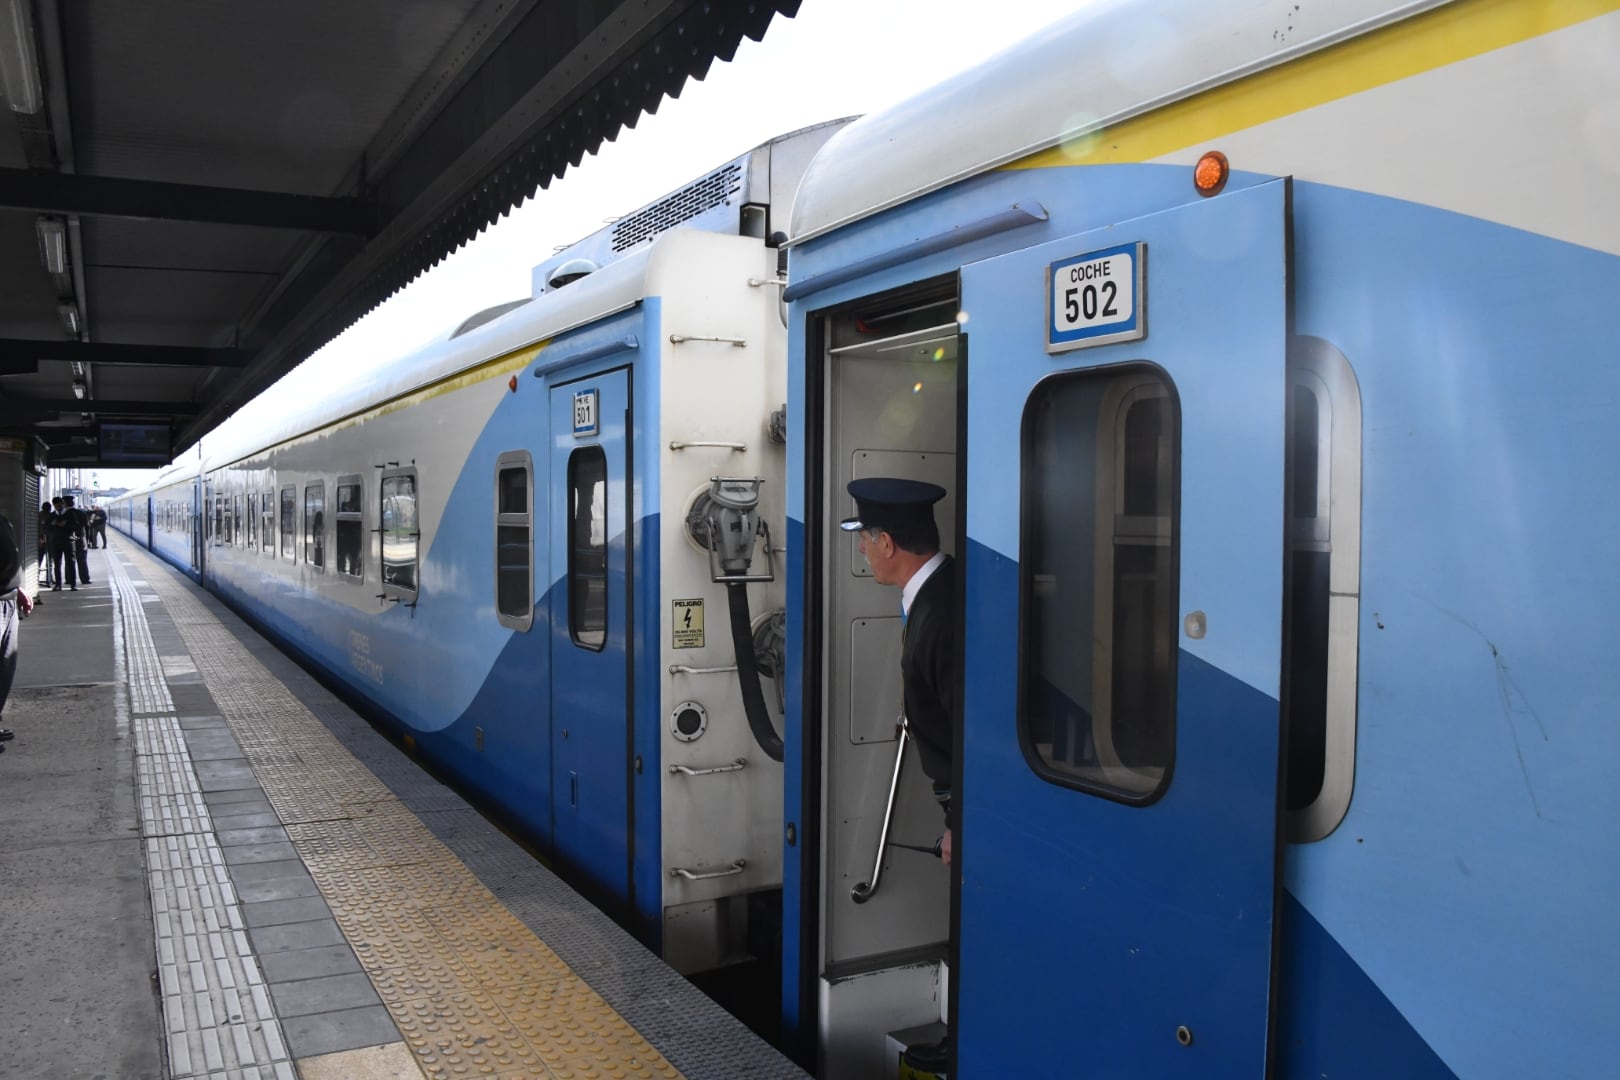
(587, 546)
(1097, 693)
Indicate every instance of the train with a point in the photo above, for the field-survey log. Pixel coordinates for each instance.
(1262, 352)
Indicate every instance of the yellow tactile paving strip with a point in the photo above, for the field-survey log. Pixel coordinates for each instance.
(473, 990)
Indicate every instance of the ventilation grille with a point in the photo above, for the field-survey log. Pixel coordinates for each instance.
(686, 204)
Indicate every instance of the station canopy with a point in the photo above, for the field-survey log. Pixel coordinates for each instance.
(196, 195)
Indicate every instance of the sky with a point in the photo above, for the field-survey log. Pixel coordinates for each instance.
(835, 58)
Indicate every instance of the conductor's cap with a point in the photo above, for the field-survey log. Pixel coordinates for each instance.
(889, 502)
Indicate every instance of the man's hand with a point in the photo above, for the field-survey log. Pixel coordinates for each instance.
(945, 848)
(25, 603)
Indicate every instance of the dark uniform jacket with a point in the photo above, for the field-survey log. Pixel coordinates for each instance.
(927, 672)
(57, 530)
(77, 522)
(10, 561)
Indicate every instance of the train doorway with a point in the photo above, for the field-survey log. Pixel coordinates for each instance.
(590, 526)
(889, 381)
(1124, 627)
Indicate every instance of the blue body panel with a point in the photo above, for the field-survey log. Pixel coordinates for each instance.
(1167, 907)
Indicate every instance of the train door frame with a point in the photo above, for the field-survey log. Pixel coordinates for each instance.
(201, 497)
(887, 983)
(618, 896)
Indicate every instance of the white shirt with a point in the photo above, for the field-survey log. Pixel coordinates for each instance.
(909, 593)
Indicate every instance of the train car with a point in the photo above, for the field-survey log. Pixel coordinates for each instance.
(545, 551)
(1264, 353)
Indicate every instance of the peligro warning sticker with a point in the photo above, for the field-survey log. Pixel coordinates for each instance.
(688, 632)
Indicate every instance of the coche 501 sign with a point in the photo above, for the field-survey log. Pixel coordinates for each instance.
(1096, 298)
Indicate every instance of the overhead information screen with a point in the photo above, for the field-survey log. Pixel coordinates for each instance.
(134, 443)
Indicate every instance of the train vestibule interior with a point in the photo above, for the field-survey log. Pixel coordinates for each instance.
(889, 393)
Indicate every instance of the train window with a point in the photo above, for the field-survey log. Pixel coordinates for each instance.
(218, 519)
(236, 520)
(267, 524)
(401, 532)
(315, 525)
(249, 522)
(1324, 575)
(350, 529)
(514, 539)
(587, 546)
(289, 515)
(1098, 640)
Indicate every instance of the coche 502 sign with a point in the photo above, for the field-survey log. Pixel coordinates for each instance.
(1096, 298)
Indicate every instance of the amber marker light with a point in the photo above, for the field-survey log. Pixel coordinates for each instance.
(511, 384)
(1210, 174)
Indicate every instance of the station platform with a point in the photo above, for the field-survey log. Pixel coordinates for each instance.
(213, 868)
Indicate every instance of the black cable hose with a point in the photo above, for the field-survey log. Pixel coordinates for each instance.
(742, 640)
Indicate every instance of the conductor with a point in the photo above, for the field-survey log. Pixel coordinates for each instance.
(900, 542)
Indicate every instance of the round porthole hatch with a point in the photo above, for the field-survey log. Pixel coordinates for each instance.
(689, 721)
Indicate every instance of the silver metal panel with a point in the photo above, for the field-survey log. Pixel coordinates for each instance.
(1026, 98)
(874, 679)
(858, 1012)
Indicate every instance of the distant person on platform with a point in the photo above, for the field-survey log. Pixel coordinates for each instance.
(98, 527)
(14, 602)
(78, 529)
(46, 513)
(61, 547)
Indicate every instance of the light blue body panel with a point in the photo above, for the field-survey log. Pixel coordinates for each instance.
(1455, 922)
(1472, 877)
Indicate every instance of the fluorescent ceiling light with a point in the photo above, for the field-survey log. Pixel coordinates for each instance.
(52, 244)
(19, 71)
(79, 390)
(70, 318)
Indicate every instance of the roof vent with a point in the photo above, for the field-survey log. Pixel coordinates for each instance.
(570, 271)
(693, 199)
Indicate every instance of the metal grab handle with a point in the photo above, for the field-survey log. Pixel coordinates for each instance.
(740, 763)
(690, 875)
(676, 444)
(863, 892)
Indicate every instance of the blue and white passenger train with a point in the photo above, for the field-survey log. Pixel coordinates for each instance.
(1265, 352)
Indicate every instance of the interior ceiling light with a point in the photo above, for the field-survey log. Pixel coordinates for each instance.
(19, 70)
(70, 318)
(52, 244)
(79, 389)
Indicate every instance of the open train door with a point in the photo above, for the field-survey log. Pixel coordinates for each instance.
(1122, 631)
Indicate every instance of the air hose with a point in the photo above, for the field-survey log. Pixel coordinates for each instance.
(742, 641)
